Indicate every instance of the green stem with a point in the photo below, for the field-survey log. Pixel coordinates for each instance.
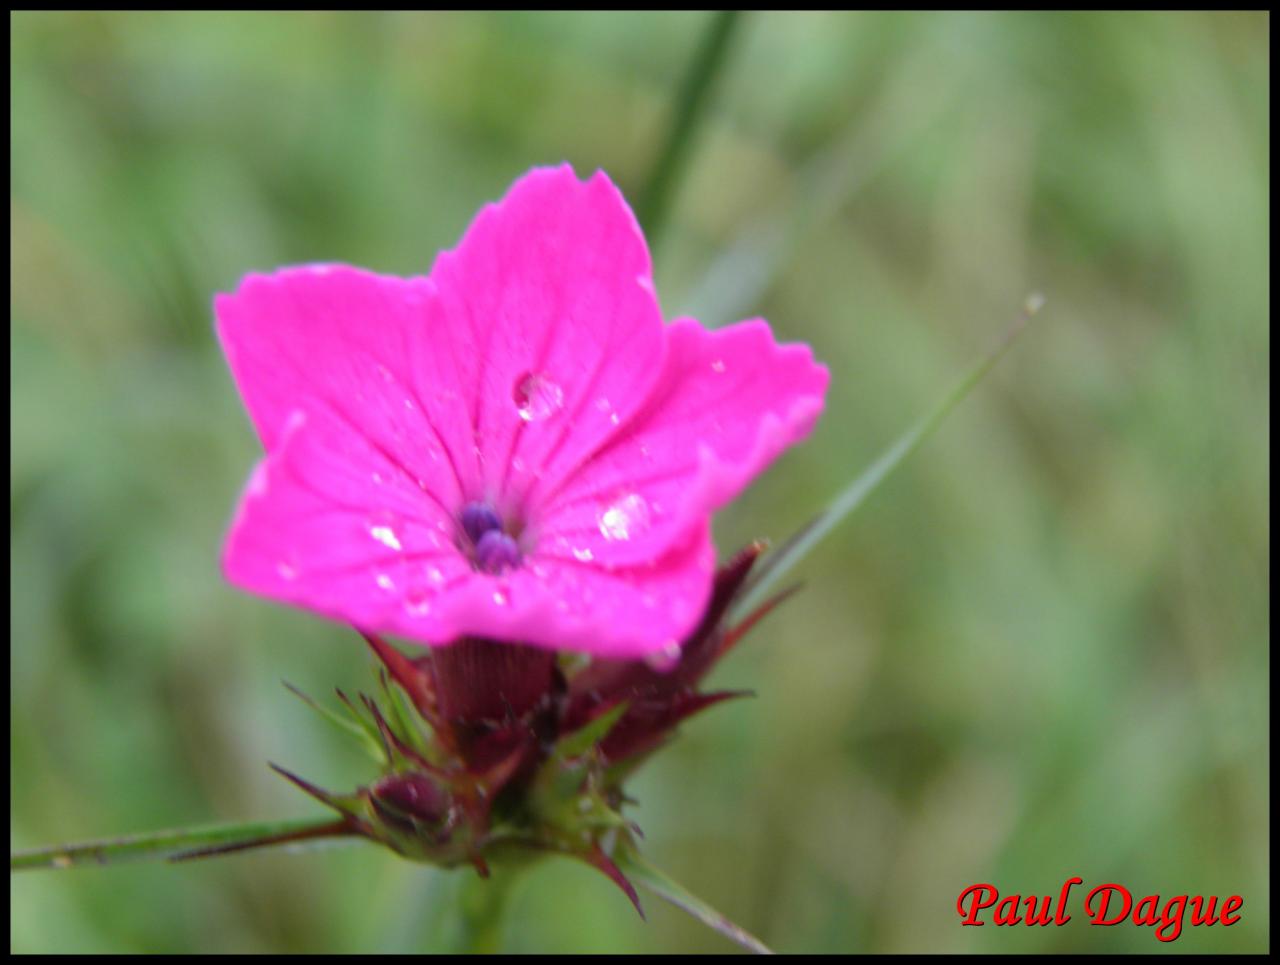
(794, 549)
(179, 843)
(483, 905)
(692, 98)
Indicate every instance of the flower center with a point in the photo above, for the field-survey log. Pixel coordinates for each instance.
(492, 549)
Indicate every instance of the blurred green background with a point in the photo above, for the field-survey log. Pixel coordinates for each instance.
(1040, 651)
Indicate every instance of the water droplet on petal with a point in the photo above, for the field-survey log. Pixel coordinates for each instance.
(604, 405)
(500, 597)
(385, 582)
(434, 575)
(383, 529)
(665, 658)
(583, 555)
(717, 366)
(537, 397)
(626, 517)
(417, 601)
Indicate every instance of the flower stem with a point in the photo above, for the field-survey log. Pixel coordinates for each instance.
(177, 843)
(692, 98)
(483, 905)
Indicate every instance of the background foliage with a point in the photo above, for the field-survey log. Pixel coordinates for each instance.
(1041, 650)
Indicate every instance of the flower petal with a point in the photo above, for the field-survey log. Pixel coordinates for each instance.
(529, 377)
(374, 349)
(328, 522)
(618, 613)
(553, 285)
(304, 534)
(729, 402)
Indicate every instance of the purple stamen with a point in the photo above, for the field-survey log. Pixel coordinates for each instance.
(478, 519)
(496, 551)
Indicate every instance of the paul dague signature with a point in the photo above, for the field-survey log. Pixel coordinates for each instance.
(1108, 904)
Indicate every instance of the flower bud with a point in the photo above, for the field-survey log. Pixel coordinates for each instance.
(505, 753)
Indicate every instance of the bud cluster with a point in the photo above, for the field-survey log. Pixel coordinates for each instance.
(493, 750)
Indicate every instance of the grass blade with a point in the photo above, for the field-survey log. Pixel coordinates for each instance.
(778, 563)
(651, 879)
(690, 102)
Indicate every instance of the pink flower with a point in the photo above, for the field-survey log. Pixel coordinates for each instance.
(513, 447)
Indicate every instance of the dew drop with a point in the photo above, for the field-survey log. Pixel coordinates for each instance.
(604, 405)
(626, 517)
(385, 582)
(537, 397)
(500, 597)
(665, 658)
(418, 601)
(383, 530)
(434, 575)
(717, 366)
(583, 555)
